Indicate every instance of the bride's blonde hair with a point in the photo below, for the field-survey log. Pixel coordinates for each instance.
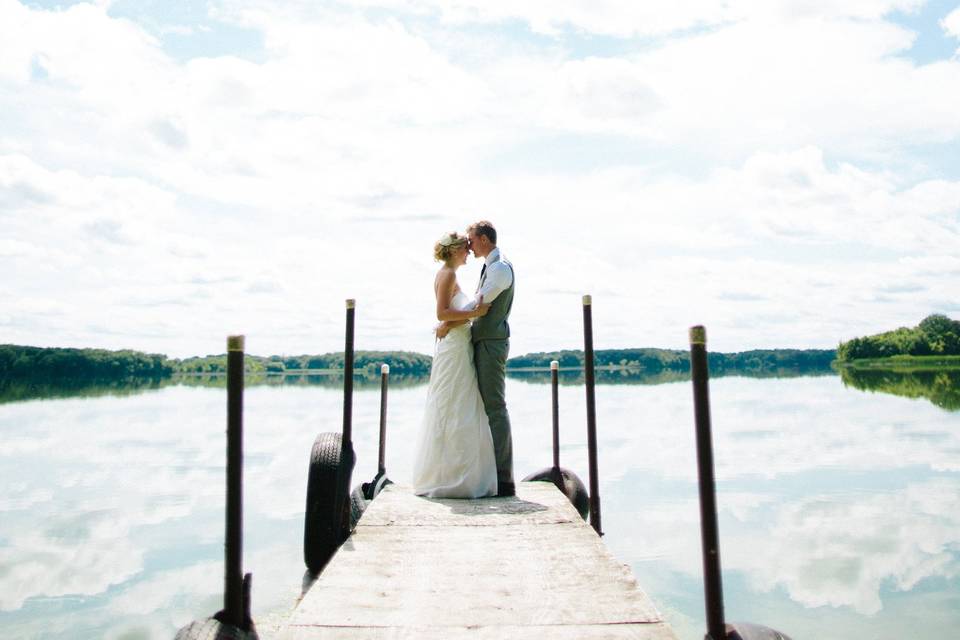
(446, 245)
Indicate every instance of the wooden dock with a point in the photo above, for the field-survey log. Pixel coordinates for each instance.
(521, 567)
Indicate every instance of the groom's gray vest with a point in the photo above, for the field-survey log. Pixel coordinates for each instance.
(493, 326)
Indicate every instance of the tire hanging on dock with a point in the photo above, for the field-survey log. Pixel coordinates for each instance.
(363, 494)
(216, 627)
(569, 485)
(212, 629)
(324, 530)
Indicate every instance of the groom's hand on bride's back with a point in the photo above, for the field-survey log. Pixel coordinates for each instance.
(481, 308)
(442, 330)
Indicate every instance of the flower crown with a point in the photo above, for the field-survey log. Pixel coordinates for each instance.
(451, 239)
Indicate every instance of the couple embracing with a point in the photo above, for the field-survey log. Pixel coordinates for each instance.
(465, 448)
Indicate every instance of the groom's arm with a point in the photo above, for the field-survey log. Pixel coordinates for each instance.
(499, 278)
(445, 326)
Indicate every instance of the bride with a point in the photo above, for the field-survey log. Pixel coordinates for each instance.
(454, 456)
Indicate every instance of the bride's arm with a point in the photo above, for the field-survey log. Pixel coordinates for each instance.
(444, 327)
(446, 287)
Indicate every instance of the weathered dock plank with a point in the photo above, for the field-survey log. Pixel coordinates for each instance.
(494, 568)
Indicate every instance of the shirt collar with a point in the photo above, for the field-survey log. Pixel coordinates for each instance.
(492, 256)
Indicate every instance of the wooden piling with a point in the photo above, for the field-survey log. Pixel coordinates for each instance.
(588, 375)
(233, 620)
(348, 373)
(709, 530)
(233, 549)
(555, 412)
(344, 469)
(382, 462)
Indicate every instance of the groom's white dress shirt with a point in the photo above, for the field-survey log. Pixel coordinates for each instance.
(496, 279)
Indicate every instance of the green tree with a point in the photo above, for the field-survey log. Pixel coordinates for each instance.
(935, 335)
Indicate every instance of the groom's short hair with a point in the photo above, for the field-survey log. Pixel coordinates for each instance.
(484, 228)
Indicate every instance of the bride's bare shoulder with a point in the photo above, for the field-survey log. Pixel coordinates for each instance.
(445, 278)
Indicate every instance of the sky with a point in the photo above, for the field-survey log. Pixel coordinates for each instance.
(785, 172)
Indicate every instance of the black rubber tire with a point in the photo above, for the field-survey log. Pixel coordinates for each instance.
(323, 529)
(358, 504)
(212, 629)
(748, 631)
(375, 486)
(569, 485)
(380, 484)
(363, 494)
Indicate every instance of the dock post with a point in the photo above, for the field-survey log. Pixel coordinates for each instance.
(233, 621)
(348, 374)
(709, 530)
(565, 480)
(233, 605)
(342, 513)
(382, 461)
(588, 374)
(555, 411)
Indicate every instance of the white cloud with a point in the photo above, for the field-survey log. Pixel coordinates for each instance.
(833, 84)
(792, 200)
(823, 78)
(951, 23)
(99, 61)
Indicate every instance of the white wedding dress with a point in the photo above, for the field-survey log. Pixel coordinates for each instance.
(454, 456)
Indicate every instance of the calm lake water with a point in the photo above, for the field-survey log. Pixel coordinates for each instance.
(839, 508)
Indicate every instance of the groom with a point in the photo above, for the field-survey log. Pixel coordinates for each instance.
(491, 343)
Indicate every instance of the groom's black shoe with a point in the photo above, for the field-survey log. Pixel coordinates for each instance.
(506, 489)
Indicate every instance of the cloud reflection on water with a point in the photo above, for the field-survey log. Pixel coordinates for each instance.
(843, 550)
(827, 496)
(833, 499)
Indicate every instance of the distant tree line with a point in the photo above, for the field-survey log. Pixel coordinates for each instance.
(364, 362)
(650, 360)
(38, 363)
(216, 364)
(97, 365)
(936, 335)
(401, 362)
(653, 361)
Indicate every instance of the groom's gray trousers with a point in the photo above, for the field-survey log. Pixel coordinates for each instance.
(490, 358)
